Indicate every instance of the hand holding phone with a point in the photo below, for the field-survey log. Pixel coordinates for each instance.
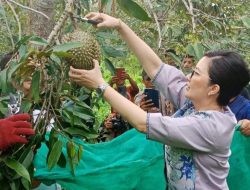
(153, 95)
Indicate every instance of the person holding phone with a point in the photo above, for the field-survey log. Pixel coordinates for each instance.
(141, 98)
(197, 137)
(119, 81)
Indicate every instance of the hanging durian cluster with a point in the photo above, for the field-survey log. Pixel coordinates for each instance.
(82, 57)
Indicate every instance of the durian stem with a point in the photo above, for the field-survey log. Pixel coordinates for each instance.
(60, 23)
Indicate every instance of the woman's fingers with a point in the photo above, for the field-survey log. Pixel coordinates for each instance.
(88, 78)
(92, 15)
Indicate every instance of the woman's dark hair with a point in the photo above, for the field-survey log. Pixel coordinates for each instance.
(230, 72)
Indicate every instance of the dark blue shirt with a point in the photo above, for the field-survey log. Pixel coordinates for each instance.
(240, 106)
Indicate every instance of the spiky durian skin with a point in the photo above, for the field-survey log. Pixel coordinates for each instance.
(82, 57)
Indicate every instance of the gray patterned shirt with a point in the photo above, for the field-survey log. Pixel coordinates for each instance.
(197, 144)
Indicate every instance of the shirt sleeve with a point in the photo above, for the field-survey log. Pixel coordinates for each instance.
(171, 82)
(192, 132)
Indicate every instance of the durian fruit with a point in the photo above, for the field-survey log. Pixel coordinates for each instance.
(82, 57)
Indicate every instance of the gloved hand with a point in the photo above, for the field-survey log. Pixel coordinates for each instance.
(14, 130)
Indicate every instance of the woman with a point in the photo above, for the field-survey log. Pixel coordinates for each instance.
(197, 140)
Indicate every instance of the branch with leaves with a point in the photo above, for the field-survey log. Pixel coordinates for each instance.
(189, 6)
(7, 25)
(150, 7)
(28, 8)
(17, 20)
(60, 23)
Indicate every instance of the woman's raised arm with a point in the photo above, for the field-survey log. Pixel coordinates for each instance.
(147, 57)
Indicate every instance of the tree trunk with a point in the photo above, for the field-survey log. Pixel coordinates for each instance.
(40, 25)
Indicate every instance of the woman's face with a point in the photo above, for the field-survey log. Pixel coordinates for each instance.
(199, 82)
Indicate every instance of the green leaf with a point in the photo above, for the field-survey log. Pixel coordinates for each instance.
(111, 51)
(26, 105)
(3, 81)
(67, 46)
(13, 186)
(35, 84)
(110, 66)
(106, 35)
(13, 67)
(25, 183)
(199, 50)
(38, 41)
(79, 153)
(216, 24)
(80, 132)
(133, 9)
(22, 50)
(24, 40)
(62, 54)
(83, 114)
(28, 159)
(71, 154)
(55, 154)
(246, 21)
(18, 168)
(3, 108)
(72, 166)
(53, 138)
(71, 149)
(55, 58)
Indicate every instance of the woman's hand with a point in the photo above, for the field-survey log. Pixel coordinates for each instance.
(245, 127)
(104, 21)
(88, 78)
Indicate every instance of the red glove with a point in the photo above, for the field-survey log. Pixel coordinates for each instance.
(14, 129)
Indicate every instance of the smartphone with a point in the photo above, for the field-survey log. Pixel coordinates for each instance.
(153, 95)
(122, 90)
(119, 71)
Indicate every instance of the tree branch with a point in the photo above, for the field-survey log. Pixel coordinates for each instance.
(28, 8)
(60, 23)
(17, 20)
(7, 25)
(148, 2)
(189, 7)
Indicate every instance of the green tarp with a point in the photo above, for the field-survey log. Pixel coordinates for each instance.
(239, 174)
(131, 162)
(128, 162)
